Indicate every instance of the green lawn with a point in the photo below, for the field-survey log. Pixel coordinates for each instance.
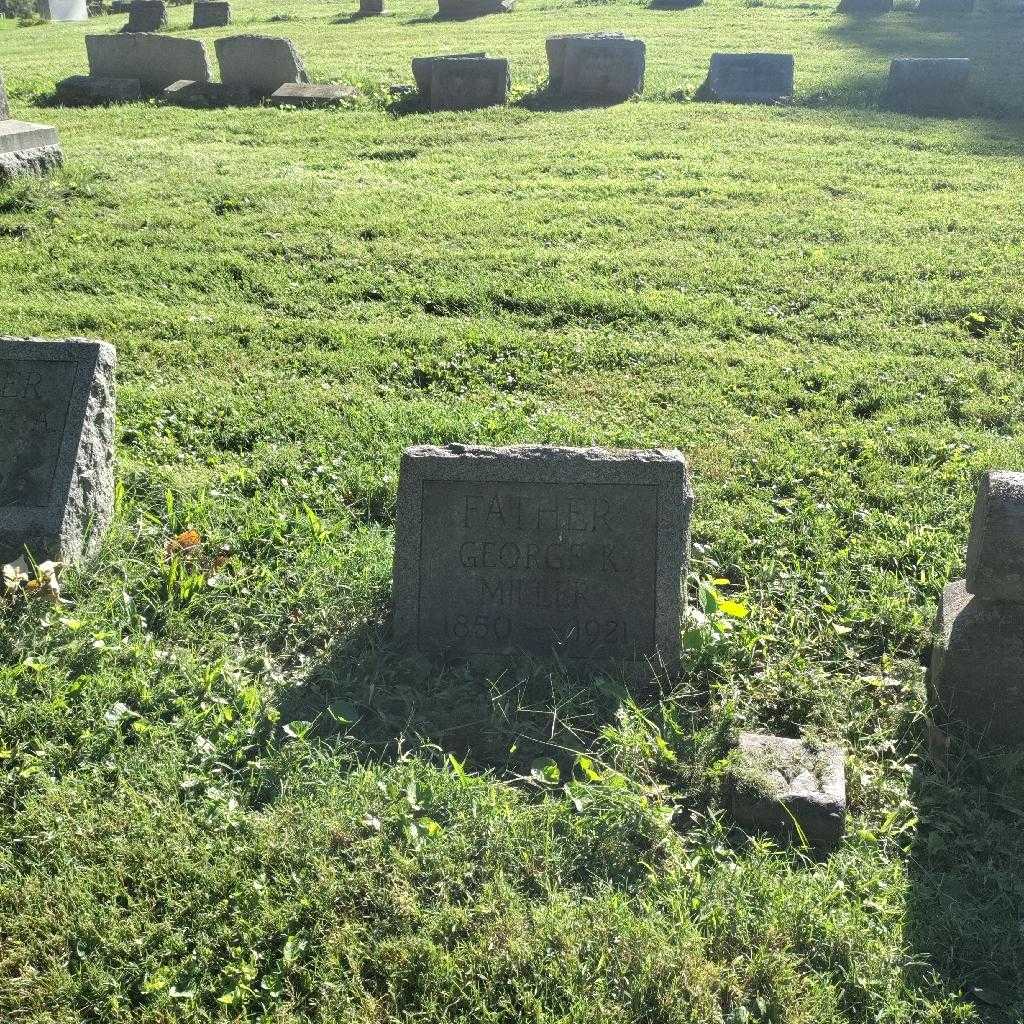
(223, 796)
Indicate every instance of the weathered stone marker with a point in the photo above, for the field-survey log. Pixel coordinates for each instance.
(211, 14)
(468, 83)
(261, 64)
(155, 60)
(977, 669)
(596, 67)
(371, 8)
(56, 446)
(423, 71)
(576, 552)
(773, 780)
(146, 16)
(749, 78)
(25, 147)
(90, 89)
(928, 85)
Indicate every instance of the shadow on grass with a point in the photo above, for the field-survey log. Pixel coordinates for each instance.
(966, 887)
(500, 717)
(989, 37)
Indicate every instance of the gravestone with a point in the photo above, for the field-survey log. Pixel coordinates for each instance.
(749, 78)
(296, 94)
(928, 85)
(773, 780)
(155, 60)
(977, 669)
(865, 6)
(458, 9)
(423, 71)
(596, 67)
(371, 8)
(56, 447)
(211, 14)
(674, 5)
(25, 147)
(205, 94)
(468, 83)
(945, 6)
(146, 16)
(261, 64)
(576, 552)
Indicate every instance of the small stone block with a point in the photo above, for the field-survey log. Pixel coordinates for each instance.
(573, 552)
(56, 447)
(596, 67)
(995, 549)
(977, 670)
(296, 94)
(423, 70)
(211, 14)
(16, 136)
(469, 83)
(261, 64)
(371, 8)
(155, 60)
(146, 16)
(773, 780)
(89, 89)
(928, 85)
(750, 78)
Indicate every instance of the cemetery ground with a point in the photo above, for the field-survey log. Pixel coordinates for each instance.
(225, 796)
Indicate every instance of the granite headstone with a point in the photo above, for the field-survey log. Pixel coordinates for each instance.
(468, 83)
(596, 67)
(576, 552)
(56, 446)
(261, 64)
(749, 78)
(928, 85)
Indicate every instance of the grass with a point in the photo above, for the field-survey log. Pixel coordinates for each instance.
(225, 797)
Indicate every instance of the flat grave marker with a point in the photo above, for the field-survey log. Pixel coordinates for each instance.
(750, 78)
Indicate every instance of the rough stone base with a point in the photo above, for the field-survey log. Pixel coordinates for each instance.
(206, 94)
(772, 781)
(86, 89)
(296, 94)
(37, 162)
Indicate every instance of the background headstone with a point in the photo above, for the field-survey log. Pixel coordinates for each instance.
(423, 70)
(945, 6)
(146, 16)
(574, 551)
(603, 69)
(749, 78)
(928, 85)
(261, 64)
(371, 8)
(211, 14)
(456, 9)
(773, 780)
(865, 6)
(596, 67)
(155, 60)
(56, 446)
(468, 83)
